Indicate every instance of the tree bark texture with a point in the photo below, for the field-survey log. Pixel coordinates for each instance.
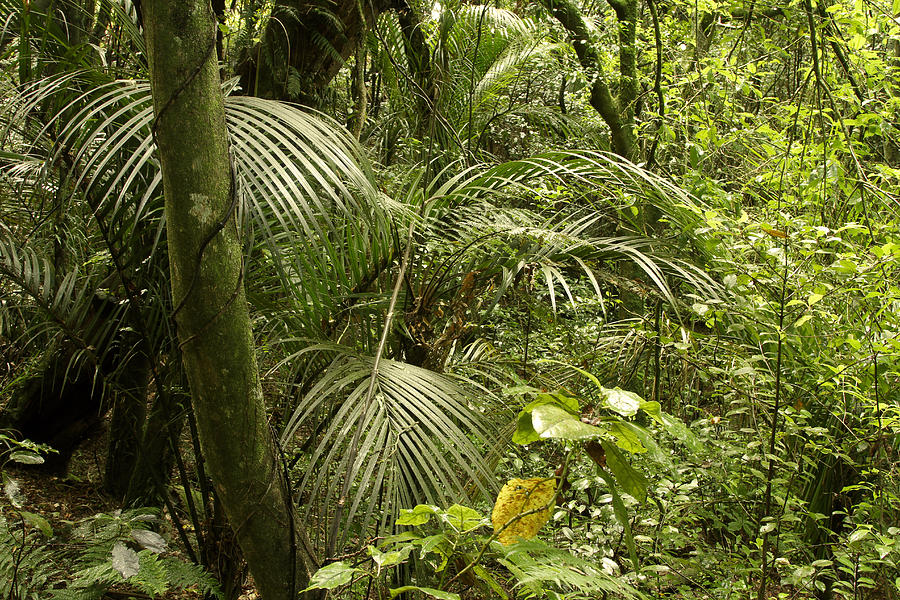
(304, 45)
(211, 310)
(617, 113)
(360, 94)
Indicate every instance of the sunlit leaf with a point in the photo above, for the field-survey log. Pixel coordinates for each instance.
(521, 496)
(622, 401)
(331, 576)
(419, 515)
(552, 422)
(463, 518)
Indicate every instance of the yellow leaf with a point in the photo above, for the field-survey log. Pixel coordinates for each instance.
(776, 233)
(521, 496)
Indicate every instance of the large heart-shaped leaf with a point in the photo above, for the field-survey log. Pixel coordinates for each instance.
(331, 576)
(550, 421)
(622, 401)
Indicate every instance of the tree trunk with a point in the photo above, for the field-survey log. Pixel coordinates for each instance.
(618, 117)
(207, 284)
(304, 45)
(360, 95)
(129, 411)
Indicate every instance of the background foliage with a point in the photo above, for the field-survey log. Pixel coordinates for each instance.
(468, 246)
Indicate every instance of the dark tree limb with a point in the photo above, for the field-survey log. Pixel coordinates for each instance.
(304, 45)
(618, 117)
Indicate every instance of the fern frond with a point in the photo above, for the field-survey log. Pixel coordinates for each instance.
(538, 566)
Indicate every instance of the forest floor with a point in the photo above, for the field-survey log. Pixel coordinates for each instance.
(64, 500)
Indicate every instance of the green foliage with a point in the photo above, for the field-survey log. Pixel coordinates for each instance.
(758, 317)
(28, 567)
(446, 546)
(100, 553)
(24, 452)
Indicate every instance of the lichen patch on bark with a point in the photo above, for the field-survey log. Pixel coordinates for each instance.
(201, 209)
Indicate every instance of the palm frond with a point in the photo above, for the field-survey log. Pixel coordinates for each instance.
(460, 210)
(420, 441)
(64, 301)
(313, 204)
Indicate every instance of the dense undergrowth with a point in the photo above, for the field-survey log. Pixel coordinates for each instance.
(698, 347)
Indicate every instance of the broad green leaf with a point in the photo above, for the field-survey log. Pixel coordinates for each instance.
(626, 439)
(802, 320)
(858, 535)
(525, 433)
(844, 266)
(463, 518)
(331, 576)
(622, 401)
(419, 515)
(518, 390)
(803, 572)
(653, 409)
(37, 521)
(389, 559)
(567, 402)
(433, 543)
(26, 458)
(551, 421)
(433, 593)
(630, 480)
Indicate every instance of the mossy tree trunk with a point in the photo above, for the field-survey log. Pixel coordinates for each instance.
(213, 319)
(304, 45)
(617, 112)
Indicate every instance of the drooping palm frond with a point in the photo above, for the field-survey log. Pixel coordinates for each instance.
(614, 183)
(419, 440)
(461, 210)
(306, 187)
(63, 300)
(314, 206)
